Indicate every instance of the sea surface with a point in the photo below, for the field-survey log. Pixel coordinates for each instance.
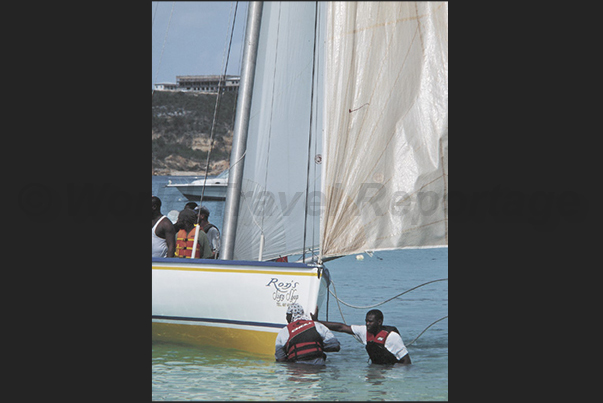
(181, 372)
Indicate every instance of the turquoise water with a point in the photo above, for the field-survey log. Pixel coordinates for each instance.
(208, 373)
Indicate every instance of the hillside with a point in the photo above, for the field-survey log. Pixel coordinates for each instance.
(181, 131)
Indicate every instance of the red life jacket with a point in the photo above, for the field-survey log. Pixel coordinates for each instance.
(184, 244)
(305, 343)
(375, 346)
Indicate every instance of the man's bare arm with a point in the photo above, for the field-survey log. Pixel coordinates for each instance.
(337, 327)
(170, 238)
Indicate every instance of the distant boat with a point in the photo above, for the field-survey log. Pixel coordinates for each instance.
(215, 188)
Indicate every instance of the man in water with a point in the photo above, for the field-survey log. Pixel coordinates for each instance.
(163, 233)
(384, 344)
(303, 340)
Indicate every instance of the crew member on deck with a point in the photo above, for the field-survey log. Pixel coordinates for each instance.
(211, 230)
(163, 243)
(383, 343)
(191, 206)
(185, 238)
(303, 340)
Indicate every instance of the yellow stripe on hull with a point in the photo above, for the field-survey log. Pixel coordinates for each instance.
(256, 342)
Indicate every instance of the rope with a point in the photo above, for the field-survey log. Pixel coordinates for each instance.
(381, 303)
(225, 59)
(387, 300)
(341, 312)
(154, 14)
(432, 323)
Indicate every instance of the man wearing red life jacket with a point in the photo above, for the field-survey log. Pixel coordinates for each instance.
(384, 344)
(303, 340)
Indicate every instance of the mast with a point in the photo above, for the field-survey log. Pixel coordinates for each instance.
(239, 140)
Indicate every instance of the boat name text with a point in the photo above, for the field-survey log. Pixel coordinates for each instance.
(285, 293)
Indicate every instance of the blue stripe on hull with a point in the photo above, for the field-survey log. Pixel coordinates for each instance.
(234, 322)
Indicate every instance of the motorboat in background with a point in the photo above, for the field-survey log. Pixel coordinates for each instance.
(215, 188)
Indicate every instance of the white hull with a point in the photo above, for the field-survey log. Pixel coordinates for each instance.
(233, 304)
(193, 192)
(215, 188)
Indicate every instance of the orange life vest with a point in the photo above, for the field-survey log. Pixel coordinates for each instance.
(184, 244)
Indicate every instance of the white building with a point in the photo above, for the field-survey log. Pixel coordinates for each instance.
(205, 84)
(166, 87)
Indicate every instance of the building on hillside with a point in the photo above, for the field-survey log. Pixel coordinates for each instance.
(166, 87)
(205, 84)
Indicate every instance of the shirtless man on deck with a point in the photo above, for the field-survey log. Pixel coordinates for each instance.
(163, 234)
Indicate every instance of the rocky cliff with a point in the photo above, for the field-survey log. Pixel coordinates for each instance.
(181, 132)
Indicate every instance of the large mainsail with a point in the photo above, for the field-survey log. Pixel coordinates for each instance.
(358, 90)
(386, 127)
(285, 132)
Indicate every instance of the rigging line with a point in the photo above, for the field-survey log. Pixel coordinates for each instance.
(432, 323)
(387, 300)
(310, 130)
(341, 312)
(163, 46)
(358, 338)
(239, 160)
(225, 59)
(154, 14)
(236, 94)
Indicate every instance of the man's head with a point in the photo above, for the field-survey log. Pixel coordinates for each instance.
(191, 205)
(294, 312)
(155, 205)
(204, 212)
(187, 218)
(374, 320)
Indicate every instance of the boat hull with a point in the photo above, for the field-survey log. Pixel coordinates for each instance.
(193, 192)
(233, 304)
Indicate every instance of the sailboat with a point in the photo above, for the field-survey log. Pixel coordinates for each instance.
(340, 147)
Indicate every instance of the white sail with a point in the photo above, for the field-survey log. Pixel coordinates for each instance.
(281, 140)
(386, 127)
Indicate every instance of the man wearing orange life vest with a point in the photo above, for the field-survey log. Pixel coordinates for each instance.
(185, 238)
(384, 344)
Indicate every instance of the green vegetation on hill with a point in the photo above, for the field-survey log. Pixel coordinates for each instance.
(181, 129)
